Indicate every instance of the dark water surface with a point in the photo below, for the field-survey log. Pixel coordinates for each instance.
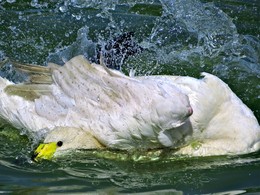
(182, 37)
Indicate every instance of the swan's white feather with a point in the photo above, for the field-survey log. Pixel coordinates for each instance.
(106, 107)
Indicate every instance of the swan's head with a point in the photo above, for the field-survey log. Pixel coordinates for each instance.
(63, 139)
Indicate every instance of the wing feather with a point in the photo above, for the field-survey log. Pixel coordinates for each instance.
(38, 83)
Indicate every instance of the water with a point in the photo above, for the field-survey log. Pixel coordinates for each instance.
(179, 37)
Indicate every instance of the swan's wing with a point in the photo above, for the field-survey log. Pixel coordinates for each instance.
(115, 106)
(77, 86)
(28, 91)
(40, 78)
(37, 84)
(36, 74)
(92, 86)
(58, 87)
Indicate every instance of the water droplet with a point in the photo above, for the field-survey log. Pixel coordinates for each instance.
(34, 3)
(64, 59)
(78, 17)
(11, 1)
(63, 8)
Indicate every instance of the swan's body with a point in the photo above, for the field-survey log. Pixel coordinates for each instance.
(88, 106)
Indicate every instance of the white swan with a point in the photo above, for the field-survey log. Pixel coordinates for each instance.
(87, 106)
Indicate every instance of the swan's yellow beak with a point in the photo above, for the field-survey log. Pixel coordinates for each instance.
(45, 151)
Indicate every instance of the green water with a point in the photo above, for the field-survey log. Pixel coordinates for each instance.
(180, 37)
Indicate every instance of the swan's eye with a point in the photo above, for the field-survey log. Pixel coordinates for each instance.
(59, 143)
